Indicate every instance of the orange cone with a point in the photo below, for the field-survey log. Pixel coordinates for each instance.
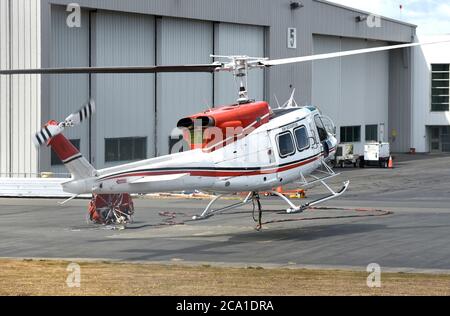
(280, 190)
(391, 163)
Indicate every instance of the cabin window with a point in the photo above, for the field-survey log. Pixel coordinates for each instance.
(440, 87)
(286, 144)
(125, 149)
(55, 159)
(301, 137)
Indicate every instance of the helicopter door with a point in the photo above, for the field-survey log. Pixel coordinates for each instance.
(323, 135)
(285, 144)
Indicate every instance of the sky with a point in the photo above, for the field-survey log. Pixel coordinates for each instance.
(431, 16)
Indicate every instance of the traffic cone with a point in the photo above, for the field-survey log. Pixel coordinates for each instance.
(391, 163)
(302, 194)
(280, 190)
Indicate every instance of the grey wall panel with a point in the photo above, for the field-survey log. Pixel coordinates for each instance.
(236, 39)
(182, 41)
(125, 103)
(333, 19)
(353, 91)
(400, 102)
(326, 87)
(4, 89)
(377, 89)
(70, 48)
(25, 95)
(233, 11)
(282, 80)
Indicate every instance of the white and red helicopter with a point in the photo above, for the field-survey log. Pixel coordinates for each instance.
(265, 149)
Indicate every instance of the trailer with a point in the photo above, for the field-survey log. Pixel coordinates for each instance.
(376, 154)
(345, 156)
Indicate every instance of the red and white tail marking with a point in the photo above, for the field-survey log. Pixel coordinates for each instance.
(77, 165)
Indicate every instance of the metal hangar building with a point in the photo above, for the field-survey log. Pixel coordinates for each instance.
(368, 96)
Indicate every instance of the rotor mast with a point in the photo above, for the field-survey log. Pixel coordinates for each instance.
(240, 65)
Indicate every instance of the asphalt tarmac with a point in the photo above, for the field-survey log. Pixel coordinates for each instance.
(414, 236)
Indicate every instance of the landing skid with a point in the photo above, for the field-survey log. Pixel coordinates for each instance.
(208, 212)
(299, 209)
(253, 197)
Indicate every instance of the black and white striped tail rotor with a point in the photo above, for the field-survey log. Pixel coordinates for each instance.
(48, 132)
(83, 114)
(51, 130)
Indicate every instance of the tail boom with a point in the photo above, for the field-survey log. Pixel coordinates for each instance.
(71, 157)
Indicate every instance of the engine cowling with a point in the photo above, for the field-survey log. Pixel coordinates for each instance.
(210, 129)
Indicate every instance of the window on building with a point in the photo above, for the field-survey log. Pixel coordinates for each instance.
(55, 159)
(286, 144)
(371, 133)
(350, 134)
(125, 149)
(301, 137)
(440, 87)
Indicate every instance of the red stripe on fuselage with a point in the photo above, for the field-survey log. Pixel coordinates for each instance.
(218, 173)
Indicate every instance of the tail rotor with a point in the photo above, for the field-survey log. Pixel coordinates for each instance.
(54, 128)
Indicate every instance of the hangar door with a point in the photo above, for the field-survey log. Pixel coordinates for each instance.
(125, 122)
(70, 48)
(181, 42)
(237, 39)
(354, 90)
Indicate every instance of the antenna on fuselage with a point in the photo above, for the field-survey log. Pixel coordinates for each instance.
(291, 103)
(276, 99)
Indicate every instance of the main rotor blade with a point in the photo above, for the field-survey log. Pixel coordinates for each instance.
(294, 60)
(114, 70)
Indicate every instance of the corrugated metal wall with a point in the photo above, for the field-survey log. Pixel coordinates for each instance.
(20, 110)
(235, 39)
(334, 19)
(178, 95)
(400, 100)
(70, 48)
(125, 103)
(4, 89)
(354, 91)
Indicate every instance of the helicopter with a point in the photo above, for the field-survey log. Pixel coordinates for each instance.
(245, 147)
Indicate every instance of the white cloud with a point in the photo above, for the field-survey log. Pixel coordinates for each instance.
(431, 16)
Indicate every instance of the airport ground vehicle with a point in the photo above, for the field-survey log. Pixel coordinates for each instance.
(376, 154)
(345, 156)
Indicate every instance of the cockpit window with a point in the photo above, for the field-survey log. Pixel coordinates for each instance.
(286, 144)
(323, 134)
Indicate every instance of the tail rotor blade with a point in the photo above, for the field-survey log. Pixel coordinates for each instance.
(83, 114)
(42, 137)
